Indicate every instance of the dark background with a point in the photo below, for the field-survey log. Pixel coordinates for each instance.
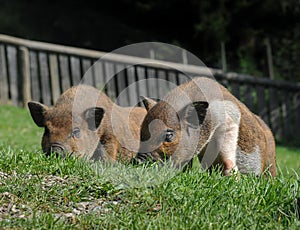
(198, 26)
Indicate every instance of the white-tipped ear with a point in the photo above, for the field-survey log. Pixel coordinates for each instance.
(37, 111)
(148, 102)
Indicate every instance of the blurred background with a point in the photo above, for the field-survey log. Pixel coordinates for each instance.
(251, 35)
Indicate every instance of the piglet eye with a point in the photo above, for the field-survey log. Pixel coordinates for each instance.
(170, 134)
(102, 141)
(76, 132)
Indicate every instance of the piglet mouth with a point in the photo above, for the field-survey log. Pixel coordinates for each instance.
(58, 149)
(150, 157)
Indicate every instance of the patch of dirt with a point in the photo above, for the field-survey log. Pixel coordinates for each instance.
(12, 206)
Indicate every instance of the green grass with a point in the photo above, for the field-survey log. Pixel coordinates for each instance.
(37, 192)
(288, 158)
(18, 130)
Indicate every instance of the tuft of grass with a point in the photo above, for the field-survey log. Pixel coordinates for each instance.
(38, 192)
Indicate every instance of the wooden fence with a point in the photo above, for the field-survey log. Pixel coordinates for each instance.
(39, 71)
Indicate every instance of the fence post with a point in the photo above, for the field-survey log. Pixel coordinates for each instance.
(25, 74)
(184, 57)
(3, 77)
(270, 58)
(223, 57)
(152, 54)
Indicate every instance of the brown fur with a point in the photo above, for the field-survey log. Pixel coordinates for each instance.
(253, 133)
(269, 159)
(68, 113)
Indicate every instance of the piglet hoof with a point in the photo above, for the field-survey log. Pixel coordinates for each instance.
(233, 172)
(230, 169)
(228, 166)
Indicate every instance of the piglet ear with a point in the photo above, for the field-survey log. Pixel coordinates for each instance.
(93, 117)
(194, 113)
(148, 102)
(37, 111)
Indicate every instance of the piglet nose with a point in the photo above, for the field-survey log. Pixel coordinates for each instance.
(58, 149)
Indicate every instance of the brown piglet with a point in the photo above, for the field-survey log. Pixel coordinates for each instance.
(85, 122)
(201, 117)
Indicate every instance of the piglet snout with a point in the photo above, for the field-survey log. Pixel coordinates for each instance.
(58, 149)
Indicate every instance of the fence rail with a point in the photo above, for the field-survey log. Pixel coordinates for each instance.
(31, 70)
